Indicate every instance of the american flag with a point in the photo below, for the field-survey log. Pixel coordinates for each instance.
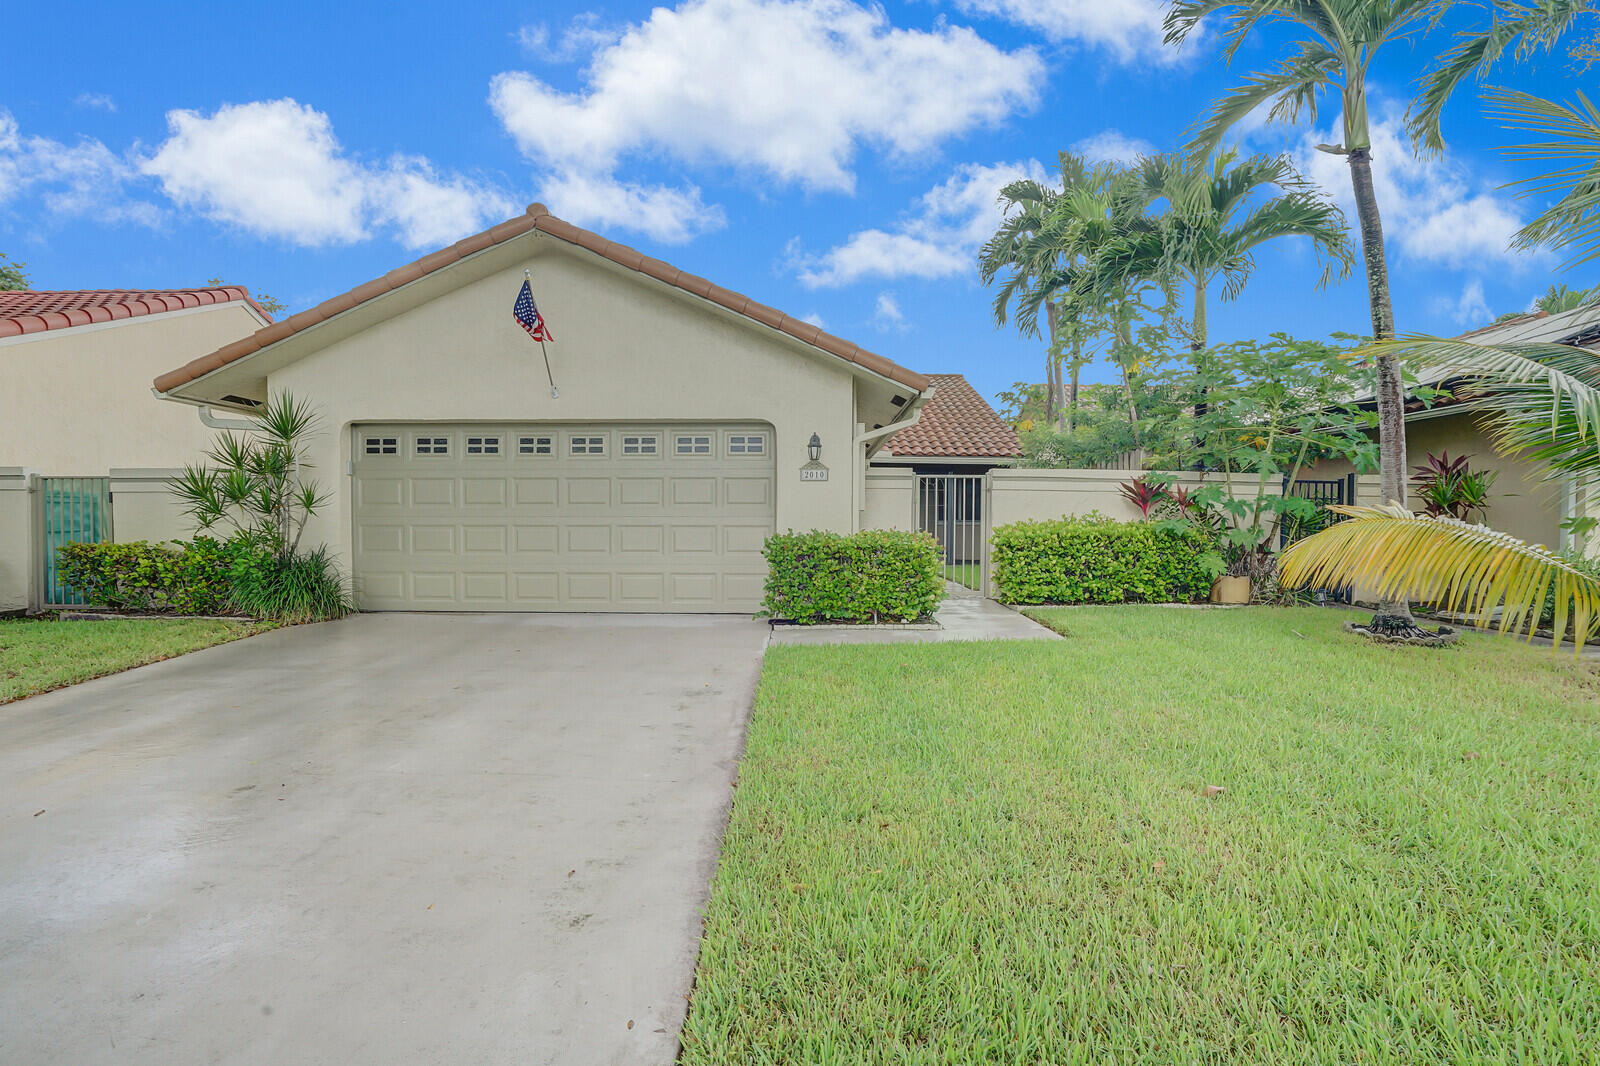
(526, 312)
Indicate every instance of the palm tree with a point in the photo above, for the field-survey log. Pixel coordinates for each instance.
(1048, 245)
(1339, 40)
(1202, 236)
(1560, 298)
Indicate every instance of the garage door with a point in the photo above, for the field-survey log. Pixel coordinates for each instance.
(562, 518)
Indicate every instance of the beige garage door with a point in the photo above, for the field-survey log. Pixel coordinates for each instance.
(561, 518)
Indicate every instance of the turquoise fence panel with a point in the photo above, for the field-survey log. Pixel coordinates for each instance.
(77, 510)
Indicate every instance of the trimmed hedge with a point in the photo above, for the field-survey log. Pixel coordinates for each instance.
(1096, 560)
(190, 578)
(872, 576)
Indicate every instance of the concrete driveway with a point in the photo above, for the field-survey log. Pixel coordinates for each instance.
(392, 839)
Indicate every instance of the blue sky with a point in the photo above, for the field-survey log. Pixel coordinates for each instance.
(835, 160)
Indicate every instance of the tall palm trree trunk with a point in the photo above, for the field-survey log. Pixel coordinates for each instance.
(1393, 618)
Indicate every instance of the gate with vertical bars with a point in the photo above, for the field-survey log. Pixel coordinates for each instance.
(74, 510)
(951, 507)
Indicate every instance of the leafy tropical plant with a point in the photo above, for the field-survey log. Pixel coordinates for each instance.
(1571, 221)
(1492, 577)
(294, 588)
(257, 485)
(1143, 494)
(1447, 486)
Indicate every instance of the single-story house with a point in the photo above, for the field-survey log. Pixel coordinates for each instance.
(687, 423)
(85, 447)
(958, 440)
(1523, 502)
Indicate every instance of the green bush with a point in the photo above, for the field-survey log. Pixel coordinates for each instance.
(871, 576)
(293, 589)
(206, 576)
(172, 578)
(1096, 560)
(1547, 616)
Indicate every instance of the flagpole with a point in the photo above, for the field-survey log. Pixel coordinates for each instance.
(555, 393)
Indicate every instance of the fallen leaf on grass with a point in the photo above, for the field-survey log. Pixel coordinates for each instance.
(1214, 790)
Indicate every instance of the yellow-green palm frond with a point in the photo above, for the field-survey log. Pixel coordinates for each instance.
(1470, 569)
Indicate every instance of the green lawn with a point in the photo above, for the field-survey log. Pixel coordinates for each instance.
(968, 574)
(1006, 852)
(37, 655)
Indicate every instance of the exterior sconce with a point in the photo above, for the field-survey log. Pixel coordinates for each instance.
(814, 449)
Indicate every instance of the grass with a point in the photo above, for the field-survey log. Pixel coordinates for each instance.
(37, 655)
(1011, 852)
(968, 574)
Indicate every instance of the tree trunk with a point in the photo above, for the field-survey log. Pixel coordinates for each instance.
(1197, 344)
(1072, 391)
(1391, 389)
(1052, 368)
(1124, 349)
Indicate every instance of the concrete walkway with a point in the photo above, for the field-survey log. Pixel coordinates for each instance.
(964, 615)
(391, 839)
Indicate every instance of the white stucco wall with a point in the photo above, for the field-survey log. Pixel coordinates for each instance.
(77, 402)
(626, 349)
(891, 498)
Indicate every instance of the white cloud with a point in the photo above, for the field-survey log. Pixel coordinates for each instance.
(96, 101)
(1434, 209)
(672, 216)
(939, 239)
(583, 34)
(1471, 309)
(790, 89)
(1113, 146)
(815, 319)
(276, 169)
(1129, 29)
(886, 313)
(69, 179)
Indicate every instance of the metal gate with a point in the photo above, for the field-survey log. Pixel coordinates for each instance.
(75, 510)
(951, 508)
(1335, 491)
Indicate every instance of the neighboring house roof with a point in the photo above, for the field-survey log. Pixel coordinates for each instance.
(539, 218)
(1580, 326)
(36, 311)
(956, 424)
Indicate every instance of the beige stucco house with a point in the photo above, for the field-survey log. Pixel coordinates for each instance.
(1524, 502)
(75, 403)
(682, 436)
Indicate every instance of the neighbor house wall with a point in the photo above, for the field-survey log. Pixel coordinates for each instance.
(76, 402)
(144, 508)
(626, 350)
(1522, 502)
(18, 547)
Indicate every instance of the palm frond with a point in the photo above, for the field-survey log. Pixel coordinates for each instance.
(1294, 86)
(1492, 577)
(1542, 399)
(1573, 221)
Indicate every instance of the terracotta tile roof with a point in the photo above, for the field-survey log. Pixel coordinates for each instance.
(956, 424)
(34, 311)
(539, 218)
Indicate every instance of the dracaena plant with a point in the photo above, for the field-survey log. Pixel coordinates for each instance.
(254, 484)
(1447, 486)
(1143, 494)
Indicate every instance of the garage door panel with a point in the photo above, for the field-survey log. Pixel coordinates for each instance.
(433, 491)
(483, 491)
(583, 518)
(437, 540)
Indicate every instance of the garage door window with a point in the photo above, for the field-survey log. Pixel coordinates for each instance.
(694, 445)
(535, 445)
(382, 446)
(433, 445)
(640, 444)
(588, 445)
(747, 444)
(483, 445)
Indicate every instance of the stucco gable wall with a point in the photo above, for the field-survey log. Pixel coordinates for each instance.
(624, 351)
(77, 402)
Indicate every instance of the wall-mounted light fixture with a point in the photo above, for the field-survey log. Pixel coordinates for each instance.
(814, 449)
